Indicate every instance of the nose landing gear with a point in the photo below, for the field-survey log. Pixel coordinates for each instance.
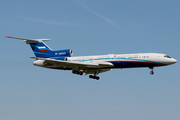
(152, 72)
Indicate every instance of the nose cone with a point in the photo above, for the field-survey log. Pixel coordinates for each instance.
(173, 61)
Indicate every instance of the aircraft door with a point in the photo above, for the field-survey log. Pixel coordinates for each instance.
(119, 59)
(91, 60)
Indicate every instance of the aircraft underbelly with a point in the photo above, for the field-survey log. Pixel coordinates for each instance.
(135, 64)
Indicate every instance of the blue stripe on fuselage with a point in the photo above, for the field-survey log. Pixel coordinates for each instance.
(128, 62)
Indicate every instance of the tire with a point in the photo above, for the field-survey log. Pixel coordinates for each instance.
(90, 76)
(97, 78)
(151, 72)
(81, 73)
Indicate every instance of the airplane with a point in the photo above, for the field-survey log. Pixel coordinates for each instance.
(62, 60)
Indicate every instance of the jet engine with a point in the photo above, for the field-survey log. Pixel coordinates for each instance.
(66, 52)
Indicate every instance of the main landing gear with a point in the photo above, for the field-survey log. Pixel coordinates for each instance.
(94, 77)
(152, 72)
(78, 72)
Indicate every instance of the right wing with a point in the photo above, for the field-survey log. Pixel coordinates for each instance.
(67, 63)
(73, 64)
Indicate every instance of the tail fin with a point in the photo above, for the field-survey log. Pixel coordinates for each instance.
(40, 49)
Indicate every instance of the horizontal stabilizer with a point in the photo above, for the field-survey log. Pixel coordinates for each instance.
(29, 40)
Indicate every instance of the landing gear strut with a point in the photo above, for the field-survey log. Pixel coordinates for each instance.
(152, 72)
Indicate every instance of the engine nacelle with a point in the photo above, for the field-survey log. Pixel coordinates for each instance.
(43, 63)
(39, 63)
(62, 58)
(66, 52)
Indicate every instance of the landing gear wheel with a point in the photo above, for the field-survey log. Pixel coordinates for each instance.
(74, 72)
(77, 72)
(97, 78)
(80, 73)
(90, 76)
(151, 72)
(94, 77)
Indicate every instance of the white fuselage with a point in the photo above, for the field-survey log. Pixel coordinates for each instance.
(118, 60)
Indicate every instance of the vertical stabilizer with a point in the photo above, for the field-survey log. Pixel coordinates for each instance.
(41, 50)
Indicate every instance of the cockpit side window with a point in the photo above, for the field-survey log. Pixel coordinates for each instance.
(167, 56)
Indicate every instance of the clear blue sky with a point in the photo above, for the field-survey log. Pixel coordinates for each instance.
(89, 27)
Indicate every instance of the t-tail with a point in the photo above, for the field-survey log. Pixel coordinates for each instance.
(41, 50)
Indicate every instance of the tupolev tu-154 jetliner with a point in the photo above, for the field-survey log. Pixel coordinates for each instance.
(63, 60)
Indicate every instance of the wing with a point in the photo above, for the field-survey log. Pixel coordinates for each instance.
(75, 65)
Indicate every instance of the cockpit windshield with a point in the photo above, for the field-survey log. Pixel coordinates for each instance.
(167, 56)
